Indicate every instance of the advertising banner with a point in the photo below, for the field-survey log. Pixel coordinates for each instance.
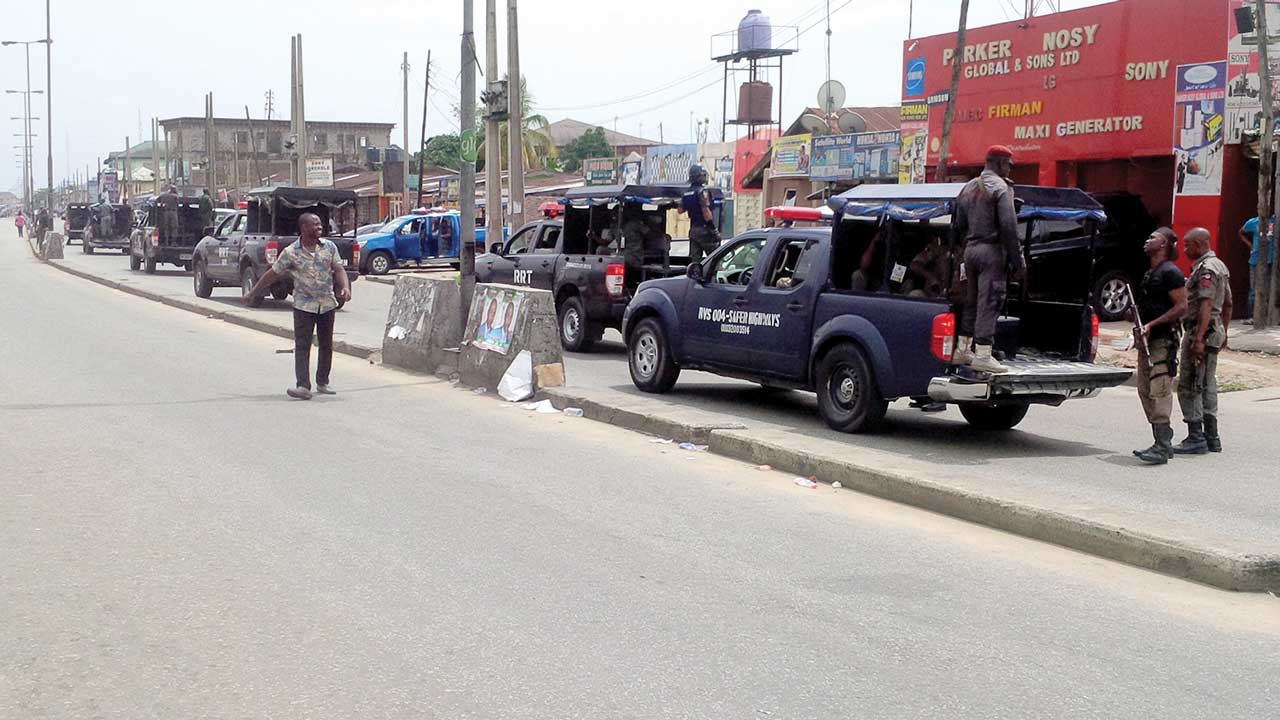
(109, 186)
(860, 156)
(1244, 86)
(668, 164)
(791, 155)
(631, 172)
(319, 172)
(1199, 104)
(717, 158)
(600, 171)
(913, 153)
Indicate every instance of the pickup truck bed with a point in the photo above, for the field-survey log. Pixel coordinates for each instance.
(1042, 380)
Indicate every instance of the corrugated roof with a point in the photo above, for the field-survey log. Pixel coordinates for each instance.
(565, 131)
(880, 118)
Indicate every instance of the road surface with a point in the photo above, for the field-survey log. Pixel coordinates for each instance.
(179, 540)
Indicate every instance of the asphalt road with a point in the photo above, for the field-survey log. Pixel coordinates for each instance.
(179, 540)
(1074, 456)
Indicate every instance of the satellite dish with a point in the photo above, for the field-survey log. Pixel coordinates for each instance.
(831, 96)
(814, 124)
(852, 122)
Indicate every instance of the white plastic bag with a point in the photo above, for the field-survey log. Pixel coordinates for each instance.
(517, 381)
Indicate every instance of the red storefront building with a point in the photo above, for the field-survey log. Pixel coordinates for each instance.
(1151, 97)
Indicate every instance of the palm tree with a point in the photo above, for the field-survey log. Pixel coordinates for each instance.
(539, 150)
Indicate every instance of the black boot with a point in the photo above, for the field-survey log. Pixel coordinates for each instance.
(1161, 450)
(1195, 443)
(1211, 439)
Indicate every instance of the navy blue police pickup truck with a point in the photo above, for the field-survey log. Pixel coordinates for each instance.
(865, 313)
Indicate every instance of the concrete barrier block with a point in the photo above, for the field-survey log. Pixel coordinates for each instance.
(504, 320)
(52, 249)
(424, 319)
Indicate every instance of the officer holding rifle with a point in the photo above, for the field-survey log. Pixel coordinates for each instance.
(1157, 312)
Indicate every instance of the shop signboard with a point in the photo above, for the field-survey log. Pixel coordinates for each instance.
(914, 139)
(856, 156)
(668, 164)
(319, 172)
(717, 158)
(109, 186)
(1199, 106)
(791, 155)
(1244, 86)
(600, 171)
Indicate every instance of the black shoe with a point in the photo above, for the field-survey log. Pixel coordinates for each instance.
(1211, 439)
(1153, 455)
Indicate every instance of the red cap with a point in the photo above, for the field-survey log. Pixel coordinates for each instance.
(999, 151)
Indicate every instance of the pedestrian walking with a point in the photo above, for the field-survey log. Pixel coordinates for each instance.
(704, 236)
(985, 217)
(43, 225)
(314, 265)
(1162, 303)
(1249, 235)
(1204, 334)
(20, 222)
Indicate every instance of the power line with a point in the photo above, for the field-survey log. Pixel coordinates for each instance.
(691, 93)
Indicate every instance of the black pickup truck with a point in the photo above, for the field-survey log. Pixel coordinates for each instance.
(150, 244)
(245, 245)
(77, 217)
(849, 313)
(612, 238)
(99, 232)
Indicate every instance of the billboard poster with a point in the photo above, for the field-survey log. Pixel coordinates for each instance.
(600, 171)
(717, 158)
(668, 164)
(319, 172)
(791, 155)
(109, 186)
(913, 78)
(631, 172)
(1244, 86)
(860, 156)
(1199, 105)
(914, 148)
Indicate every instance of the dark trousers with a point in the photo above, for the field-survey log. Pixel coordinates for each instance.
(305, 325)
(19, 231)
(984, 291)
(702, 242)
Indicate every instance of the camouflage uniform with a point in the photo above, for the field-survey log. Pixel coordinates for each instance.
(1198, 382)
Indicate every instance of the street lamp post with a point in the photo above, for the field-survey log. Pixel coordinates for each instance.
(29, 187)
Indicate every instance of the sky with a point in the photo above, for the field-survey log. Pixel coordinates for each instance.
(646, 64)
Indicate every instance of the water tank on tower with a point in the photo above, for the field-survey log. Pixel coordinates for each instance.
(755, 32)
(755, 102)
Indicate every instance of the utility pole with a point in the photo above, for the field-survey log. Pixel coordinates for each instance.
(467, 170)
(515, 120)
(940, 172)
(253, 144)
(293, 104)
(270, 106)
(128, 174)
(404, 188)
(1266, 161)
(422, 144)
(494, 219)
(155, 156)
(48, 94)
(210, 149)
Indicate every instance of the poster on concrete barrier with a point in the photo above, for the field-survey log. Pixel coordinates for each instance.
(498, 320)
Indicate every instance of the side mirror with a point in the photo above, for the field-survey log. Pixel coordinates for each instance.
(495, 248)
(208, 230)
(694, 272)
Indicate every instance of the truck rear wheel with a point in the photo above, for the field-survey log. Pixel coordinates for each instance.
(653, 367)
(248, 278)
(151, 265)
(280, 292)
(994, 417)
(848, 398)
(577, 334)
(135, 263)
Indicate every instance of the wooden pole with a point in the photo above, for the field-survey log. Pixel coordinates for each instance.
(404, 164)
(467, 170)
(493, 217)
(253, 143)
(940, 172)
(422, 144)
(1266, 160)
(515, 120)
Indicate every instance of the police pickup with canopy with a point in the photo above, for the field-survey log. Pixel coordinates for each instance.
(865, 313)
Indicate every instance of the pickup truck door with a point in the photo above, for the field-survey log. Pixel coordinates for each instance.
(502, 268)
(226, 249)
(407, 244)
(715, 316)
(541, 264)
(781, 303)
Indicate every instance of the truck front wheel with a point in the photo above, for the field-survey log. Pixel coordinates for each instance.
(653, 367)
(848, 398)
(994, 417)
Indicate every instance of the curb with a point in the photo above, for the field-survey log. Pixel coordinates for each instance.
(1217, 567)
(342, 346)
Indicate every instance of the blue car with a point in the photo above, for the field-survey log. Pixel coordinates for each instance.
(400, 241)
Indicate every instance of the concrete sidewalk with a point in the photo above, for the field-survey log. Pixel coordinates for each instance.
(1065, 476)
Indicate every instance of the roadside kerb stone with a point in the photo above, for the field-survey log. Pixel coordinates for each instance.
(615, 408)
(243, 320)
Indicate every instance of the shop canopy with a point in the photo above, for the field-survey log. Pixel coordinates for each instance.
(650, 194)
(928, 201)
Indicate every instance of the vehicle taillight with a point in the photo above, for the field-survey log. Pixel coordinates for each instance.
(1093, 336)
(355, 254)
(273, 251)
(155, 238)
(942, 342)
(613, 279)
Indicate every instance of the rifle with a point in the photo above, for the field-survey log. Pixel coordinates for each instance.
(1139, 329)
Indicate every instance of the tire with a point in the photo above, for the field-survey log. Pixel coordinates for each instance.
(86, 247)
(576, 332)
(381, 263)
(848, 398)
(200, 279)
(278, 292)
(994, 417)
(653, 367)
(1109, 298)
(150, 265)
(247, 280)
(135, 263)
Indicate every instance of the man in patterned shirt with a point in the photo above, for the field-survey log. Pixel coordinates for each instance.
(314, 266)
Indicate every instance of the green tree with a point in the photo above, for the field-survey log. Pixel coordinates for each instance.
(443, 151)
(590, 144)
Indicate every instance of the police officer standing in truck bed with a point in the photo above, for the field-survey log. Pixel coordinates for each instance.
(704, 237)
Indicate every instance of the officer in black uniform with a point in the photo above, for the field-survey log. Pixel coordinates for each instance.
(704, 236)
(1162, 301)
